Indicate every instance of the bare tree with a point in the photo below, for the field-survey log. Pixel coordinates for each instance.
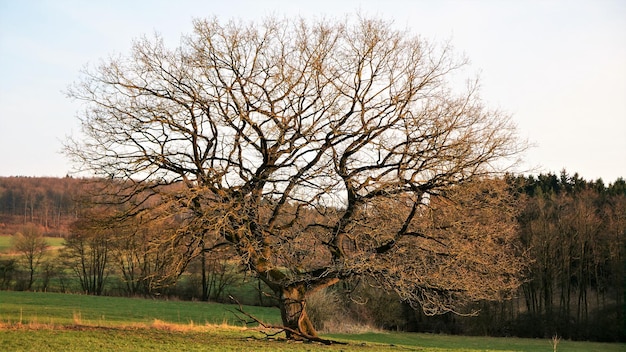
(144, 264)
(312, 149)
(32, 245)
(87, 250)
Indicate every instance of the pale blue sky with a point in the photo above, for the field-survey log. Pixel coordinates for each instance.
(559, 67)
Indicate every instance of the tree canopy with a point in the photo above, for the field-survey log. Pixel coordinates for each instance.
(317, 151)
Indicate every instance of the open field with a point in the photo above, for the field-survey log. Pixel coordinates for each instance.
(68, 309)
(6, 242)
(49, 322)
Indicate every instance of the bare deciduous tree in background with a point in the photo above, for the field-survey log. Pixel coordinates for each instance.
(318, 151)
(30, 243)
(87, 250)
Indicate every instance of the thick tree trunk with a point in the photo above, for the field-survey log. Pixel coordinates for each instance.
(293, 313)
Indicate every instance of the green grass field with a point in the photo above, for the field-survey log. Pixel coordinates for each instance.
(53, 322)
(6, 243)
(67, 309)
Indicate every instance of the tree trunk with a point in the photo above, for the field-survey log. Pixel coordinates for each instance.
(205, 283)
(293, 313)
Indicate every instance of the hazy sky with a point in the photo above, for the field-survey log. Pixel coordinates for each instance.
(559, 67)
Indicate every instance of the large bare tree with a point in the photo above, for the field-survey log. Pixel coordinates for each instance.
(317, 151)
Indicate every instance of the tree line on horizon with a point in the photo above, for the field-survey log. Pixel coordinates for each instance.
(573, 232)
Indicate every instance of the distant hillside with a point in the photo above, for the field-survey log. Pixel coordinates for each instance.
(44, 201)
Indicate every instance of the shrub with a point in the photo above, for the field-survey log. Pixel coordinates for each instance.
(328, 311)
(8, 271)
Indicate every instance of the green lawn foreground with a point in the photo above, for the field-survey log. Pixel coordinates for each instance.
(70, 309)
(62, 322)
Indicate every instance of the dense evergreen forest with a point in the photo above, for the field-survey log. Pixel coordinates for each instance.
(573, 230)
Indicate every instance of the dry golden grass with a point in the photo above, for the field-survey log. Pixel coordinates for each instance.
(78, 324)
(190, 327)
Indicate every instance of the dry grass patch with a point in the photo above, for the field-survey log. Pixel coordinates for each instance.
(190, 327)
(157, 324)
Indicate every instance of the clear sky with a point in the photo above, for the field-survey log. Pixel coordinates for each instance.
(558, 67)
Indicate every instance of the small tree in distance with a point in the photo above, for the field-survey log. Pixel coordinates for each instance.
(317, 151)
(87, 250)
(32, 245)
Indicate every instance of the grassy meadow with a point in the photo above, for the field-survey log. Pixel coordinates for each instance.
(69, 309)
(53, 322)
(6, 243)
